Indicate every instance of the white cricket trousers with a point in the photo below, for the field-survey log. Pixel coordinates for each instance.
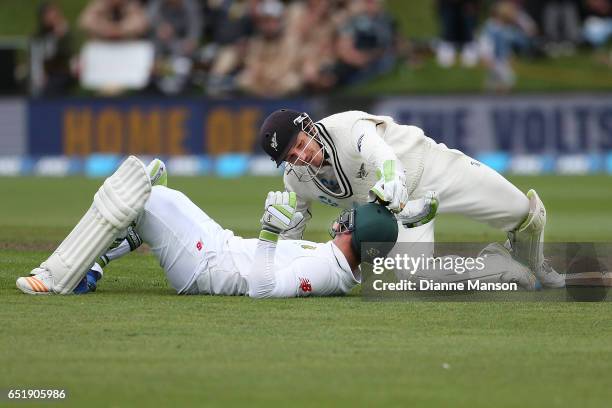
(468, 187)
(185, 240)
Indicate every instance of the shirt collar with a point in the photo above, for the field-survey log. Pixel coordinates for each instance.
(344, 265)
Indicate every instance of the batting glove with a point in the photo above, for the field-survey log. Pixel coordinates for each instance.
(279, 215)
(420, 211)
(390, 190)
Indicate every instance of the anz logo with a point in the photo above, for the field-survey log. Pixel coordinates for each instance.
(331, 184)
(326, 200)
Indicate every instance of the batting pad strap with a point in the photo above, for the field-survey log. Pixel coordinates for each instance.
(133, 239)
(116, 204)
(269, 236)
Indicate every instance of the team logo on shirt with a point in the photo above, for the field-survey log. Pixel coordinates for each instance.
(362, 173)
(305, 285)
(327, 201)
(373, 252)
(359, 141)
(330, 184)
(199, 245)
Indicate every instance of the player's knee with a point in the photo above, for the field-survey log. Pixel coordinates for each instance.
(159, 199)
(158, 194)
(518, 211)
(510, 212)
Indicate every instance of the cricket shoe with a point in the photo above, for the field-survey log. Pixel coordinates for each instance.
(157, 173)
(39, 284)
(548, 277)
(545, 273)
(512, 271)
(89, 283)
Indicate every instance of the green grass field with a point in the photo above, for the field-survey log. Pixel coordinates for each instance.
(135, 343)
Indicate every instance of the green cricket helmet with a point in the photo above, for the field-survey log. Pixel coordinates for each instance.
(373, 227)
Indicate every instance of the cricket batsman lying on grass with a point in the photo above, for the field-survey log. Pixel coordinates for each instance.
(197, 254)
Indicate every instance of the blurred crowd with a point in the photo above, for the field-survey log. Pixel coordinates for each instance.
(540, 28)
(273, 48)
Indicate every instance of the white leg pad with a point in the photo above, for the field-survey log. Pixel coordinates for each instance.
(529, 237)
(116, 204)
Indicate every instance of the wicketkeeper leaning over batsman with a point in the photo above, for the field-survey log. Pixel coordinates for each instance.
(354, 157)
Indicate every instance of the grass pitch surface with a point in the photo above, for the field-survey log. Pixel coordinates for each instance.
(135, 343)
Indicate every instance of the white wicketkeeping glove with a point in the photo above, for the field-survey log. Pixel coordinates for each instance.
(279, 214)
(390, 189)
(420, 211)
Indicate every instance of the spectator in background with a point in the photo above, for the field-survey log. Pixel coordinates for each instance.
(527, 30)
(176, 26)
(458, 21)
(51, 52)
(176, 29)
(228, 24)
(271, 66)
(502, 33)
(366, 45)
(228, 21)
(316, 46)
(114, 20)
(561, 26)
(598, 22)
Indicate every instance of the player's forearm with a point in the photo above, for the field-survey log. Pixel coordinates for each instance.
(279, 215)
(261, 278)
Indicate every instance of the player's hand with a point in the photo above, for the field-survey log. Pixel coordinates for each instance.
(280, 214)
(390, 189)
(420, 211)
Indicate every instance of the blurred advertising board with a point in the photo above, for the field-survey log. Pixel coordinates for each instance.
(528, 124)
(525, 125)
(148, 126)
(13, 120)
(527, 134)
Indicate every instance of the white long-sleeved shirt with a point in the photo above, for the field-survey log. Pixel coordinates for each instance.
(357, 144)
(289, 268)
